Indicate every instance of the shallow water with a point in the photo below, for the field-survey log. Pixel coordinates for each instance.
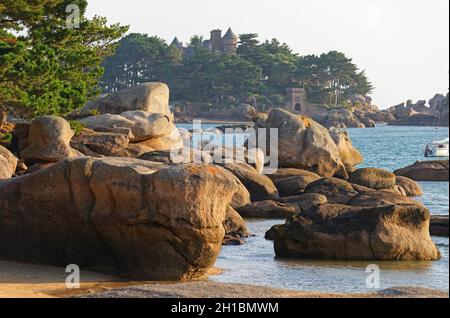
(388, 147)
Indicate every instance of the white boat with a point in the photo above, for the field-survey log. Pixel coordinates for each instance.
(437, 149)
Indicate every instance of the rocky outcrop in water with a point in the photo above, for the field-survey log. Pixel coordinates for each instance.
(433, 170)
(123, 216)
(439, 225)
(419, 114)
(377, 225)
(305, 144)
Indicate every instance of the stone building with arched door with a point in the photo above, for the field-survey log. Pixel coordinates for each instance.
(296, 99)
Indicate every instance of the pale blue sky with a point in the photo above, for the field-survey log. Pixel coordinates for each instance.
(402, 44)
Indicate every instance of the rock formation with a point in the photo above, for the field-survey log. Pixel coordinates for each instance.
(260, 186)
(269, 210)
(8, 163)
(374, 225)
(49, 141)
(373, 178)
(304, 144)
(122, 216)
(332, 231)
(148, 97)
(435, 170)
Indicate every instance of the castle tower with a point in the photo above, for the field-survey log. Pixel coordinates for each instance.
(230, 42)
(215, 43)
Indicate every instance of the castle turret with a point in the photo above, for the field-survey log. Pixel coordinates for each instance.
(230, 42)
(177, 43)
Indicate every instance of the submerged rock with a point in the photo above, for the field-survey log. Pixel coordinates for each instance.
(123, 216)
(433, 170)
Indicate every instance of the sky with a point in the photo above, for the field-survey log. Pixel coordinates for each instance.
(402, 44)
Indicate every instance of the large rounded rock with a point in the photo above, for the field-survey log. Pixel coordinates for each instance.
(144, 125)
(349, 155)
(286, 173)
(439, 225)
(412, 188)
(384, 232)
(335, 190)
(101, 143)
(381, 197)
(124, 216)
(166, 143)
(304, 144)
(235, 228)
(374, 178)
(148, 97)
(436, 170)
(294, 185)
(8, 163)
(260, 186)
(290, 181)
(269, 210)
(49, 141)
(241, 197)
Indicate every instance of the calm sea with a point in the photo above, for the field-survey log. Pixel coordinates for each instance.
(386, 147)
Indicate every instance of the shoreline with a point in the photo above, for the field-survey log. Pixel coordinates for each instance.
(22, 280)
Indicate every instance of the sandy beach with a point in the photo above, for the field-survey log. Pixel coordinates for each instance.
(20, 280)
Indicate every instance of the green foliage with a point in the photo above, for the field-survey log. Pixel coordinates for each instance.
(76, 126)
(259, 72)
(45, 67)
(6, 138)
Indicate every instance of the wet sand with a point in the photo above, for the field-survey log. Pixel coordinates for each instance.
(19, 280)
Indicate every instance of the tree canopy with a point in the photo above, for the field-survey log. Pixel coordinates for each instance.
(258, 71)
(47, 67)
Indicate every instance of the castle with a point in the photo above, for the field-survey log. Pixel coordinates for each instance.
(217, 44)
